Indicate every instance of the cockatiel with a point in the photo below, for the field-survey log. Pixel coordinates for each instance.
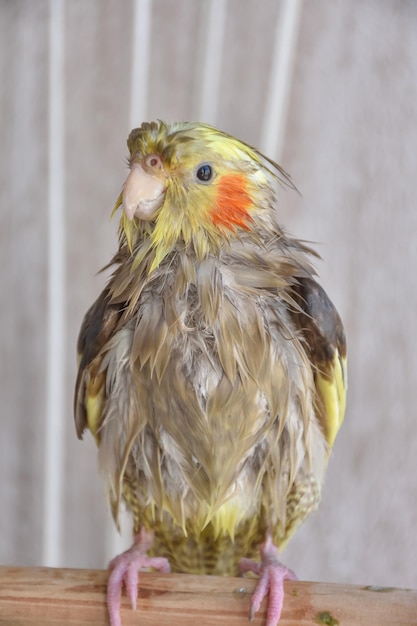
(212, 368)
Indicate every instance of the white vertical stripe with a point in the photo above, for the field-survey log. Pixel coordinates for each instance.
(273, 132)
(211, 71)
(139, 93)
(141, 37)
(56, 290)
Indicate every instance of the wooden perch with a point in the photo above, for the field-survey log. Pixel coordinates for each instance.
(53, 597)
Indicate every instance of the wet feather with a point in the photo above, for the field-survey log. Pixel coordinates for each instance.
(212, 369)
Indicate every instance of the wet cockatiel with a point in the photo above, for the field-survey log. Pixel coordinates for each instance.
(212, 367)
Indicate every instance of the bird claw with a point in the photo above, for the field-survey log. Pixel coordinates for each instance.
(124, 569)
(272, 574)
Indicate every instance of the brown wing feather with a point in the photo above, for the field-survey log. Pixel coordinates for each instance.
(322, 328)
(98, 325)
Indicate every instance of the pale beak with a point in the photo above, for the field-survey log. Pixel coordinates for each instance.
(142, 194)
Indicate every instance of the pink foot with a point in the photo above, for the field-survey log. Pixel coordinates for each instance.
(272, 574)
(125, 570)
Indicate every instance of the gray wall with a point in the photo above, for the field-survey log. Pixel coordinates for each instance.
(350, 145)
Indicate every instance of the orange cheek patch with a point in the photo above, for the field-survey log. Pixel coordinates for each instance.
(232, 202)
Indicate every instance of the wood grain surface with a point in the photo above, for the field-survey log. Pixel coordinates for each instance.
(52, 597)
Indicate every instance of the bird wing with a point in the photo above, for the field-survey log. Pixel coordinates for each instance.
(320, 324)
(98, 326)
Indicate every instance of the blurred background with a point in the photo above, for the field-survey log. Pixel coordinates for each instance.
(329, 89)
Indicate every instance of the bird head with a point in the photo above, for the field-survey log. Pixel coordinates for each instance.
(192, 185)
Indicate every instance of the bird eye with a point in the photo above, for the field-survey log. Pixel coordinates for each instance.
(205, 173)
(154, 161)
